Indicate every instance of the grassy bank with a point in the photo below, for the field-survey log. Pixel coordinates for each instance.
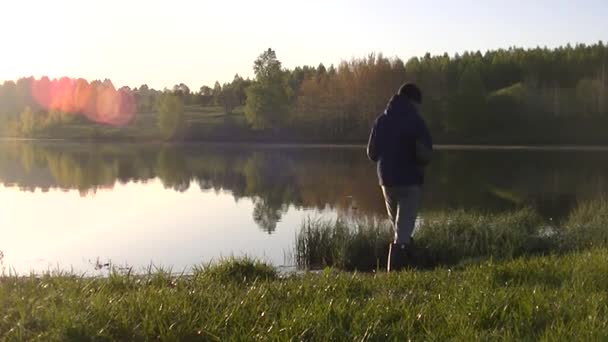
(452, 238)
(511, 276)
(198, 121)
(549, 297)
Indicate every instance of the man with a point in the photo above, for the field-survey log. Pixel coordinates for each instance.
(401, 146)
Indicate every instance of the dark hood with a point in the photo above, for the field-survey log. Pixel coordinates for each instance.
(399, 105)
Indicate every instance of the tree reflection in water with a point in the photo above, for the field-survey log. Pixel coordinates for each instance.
(342, 179)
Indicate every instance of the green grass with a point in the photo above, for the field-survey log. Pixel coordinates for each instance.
(213, 115)
(441, 239)
(587, 225)
(357, 245)
(239, 270)
(517, 91)
(548, 298)
(488, 277)
(452, 238)
(144, 126)
(212, 111)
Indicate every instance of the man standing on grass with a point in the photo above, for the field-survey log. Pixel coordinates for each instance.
(401, 146)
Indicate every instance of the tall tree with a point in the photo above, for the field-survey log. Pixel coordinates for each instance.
(267, 97)
(228, 98)
(170, 114)
(205, 96)
(217, 93)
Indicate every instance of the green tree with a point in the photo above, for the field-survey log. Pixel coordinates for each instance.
(267, 98)
(217, 94)
(27, 125)
(8, 99)
(267, 67)
(238, 87)
(228, 98)
(183, 92)
(266, 216)
(172, 170)
(170, 114)
(144, 97)
(469, 103)
(589, 95)
(205, 96)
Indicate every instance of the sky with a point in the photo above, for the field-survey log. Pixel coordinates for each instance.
(196, 42)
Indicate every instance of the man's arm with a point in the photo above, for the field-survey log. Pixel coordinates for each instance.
(373, 148)
(424, 143)
(423, 133)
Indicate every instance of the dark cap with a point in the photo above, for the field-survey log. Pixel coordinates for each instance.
(411, 91)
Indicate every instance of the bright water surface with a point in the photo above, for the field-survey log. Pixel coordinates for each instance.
(72, 206)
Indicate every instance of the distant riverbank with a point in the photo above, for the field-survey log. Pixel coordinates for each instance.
(443, 147)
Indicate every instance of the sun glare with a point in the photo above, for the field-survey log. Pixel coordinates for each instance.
(98, 101)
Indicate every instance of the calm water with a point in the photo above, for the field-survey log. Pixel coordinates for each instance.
(74, 205)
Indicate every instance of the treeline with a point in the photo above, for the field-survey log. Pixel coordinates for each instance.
(504, 96)
(29, 105)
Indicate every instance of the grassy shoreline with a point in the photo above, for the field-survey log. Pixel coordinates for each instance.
(492, 277)
(452, 238)
(545, 297)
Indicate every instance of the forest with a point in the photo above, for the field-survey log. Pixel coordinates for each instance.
(505, 96)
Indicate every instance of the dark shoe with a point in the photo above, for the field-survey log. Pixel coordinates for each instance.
(398, 255)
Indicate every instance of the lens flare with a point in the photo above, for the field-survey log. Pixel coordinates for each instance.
(98, 101)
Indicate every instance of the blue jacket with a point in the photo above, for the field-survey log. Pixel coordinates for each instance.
(392, 143)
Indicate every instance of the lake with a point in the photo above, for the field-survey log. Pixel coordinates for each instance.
(78, 206)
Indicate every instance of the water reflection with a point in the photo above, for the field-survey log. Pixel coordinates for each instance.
(340, 179)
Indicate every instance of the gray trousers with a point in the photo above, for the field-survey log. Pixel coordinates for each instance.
(402, 206)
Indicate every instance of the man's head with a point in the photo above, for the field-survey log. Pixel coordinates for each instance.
(411, 92)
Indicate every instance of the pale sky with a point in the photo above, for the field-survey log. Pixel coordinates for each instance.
(197, 42)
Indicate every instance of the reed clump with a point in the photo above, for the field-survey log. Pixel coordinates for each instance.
(451, 238)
